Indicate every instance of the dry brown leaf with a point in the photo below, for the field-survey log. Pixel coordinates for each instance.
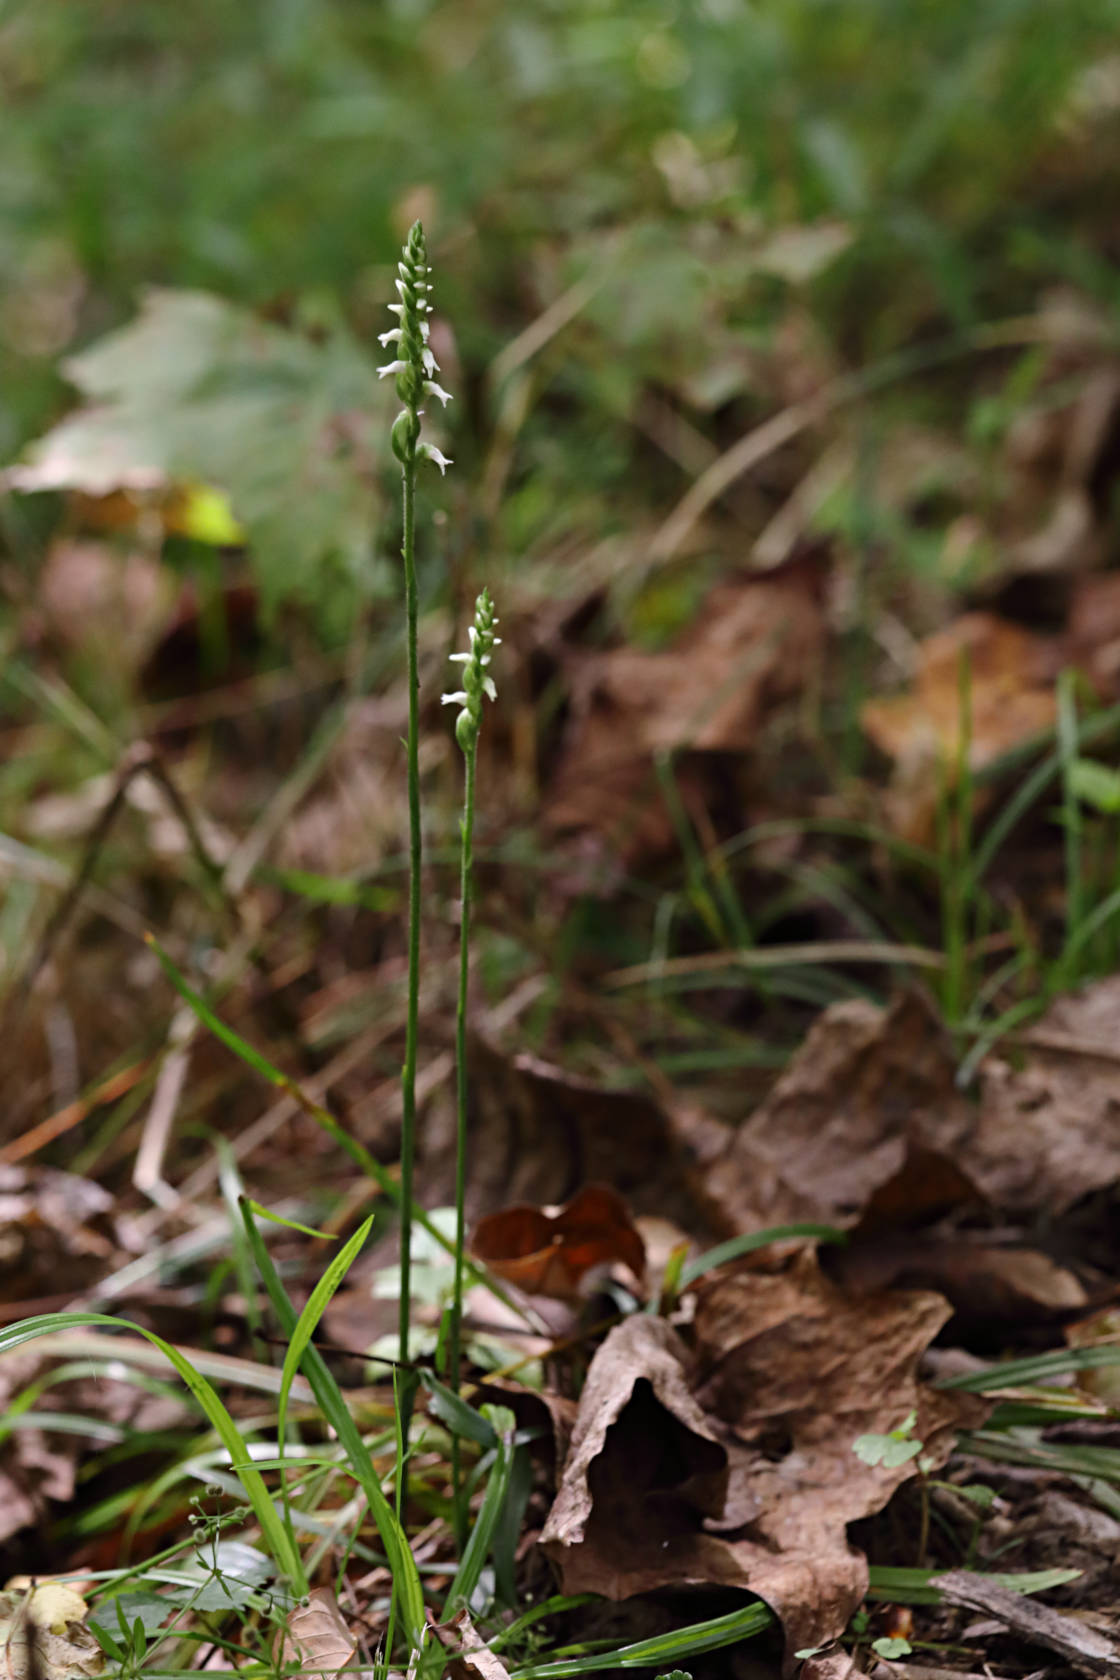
(862, 1110)
(757, 641)
(643, 1471)
(867, 1122)
(43, 1635)
(540, 1132)
(317, 1637)
(659, 1490)
(551, 1251)
(1012, 673)
(985, 1283)
(1047, 1131)
(471, 1659)
(796, 1370)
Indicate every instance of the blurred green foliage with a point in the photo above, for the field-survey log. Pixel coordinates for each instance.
(897, 168)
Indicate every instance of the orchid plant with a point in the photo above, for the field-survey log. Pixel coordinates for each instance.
(414, 368)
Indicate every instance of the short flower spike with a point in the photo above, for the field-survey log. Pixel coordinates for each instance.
(414, 366)
(476, 682)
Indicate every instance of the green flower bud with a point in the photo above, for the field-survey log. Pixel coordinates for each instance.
(466, 731)
(406, 430)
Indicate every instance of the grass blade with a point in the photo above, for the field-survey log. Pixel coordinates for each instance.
(477, 1549)
(273, 1530)
(1023, 1373)
(406, 1577)
(673, 1647)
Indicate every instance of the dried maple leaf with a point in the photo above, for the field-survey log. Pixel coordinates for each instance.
(550, 1251)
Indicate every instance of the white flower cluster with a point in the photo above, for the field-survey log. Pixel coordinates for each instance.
(415, 364)
(476, 681)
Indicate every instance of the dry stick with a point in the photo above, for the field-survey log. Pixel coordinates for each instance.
(65, 1119)
(1081, 1646)
(790, 422)
(781, 956)
(140, 759)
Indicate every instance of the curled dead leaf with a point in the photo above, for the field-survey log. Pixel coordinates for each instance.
(551, 1251)
(43, 1635)
(750, 1479)
(540, 1133)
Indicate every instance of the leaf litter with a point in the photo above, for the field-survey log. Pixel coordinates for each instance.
(719, 1450)
(731, 1462)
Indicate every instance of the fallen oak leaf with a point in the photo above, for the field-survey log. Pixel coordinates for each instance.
(757, 641)
(628, 1512)
(866, 1112)
(552, 1251)
(866, 1128)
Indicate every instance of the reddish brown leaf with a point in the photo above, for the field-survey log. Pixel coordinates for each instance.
(549, 1251)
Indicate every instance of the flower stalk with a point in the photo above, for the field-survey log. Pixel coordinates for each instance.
(476, 683)
(413, 367)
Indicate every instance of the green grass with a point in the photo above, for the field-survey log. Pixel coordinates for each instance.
(868, 202)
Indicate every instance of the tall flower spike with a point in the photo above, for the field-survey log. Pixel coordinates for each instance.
(414, 364)
(476, 683)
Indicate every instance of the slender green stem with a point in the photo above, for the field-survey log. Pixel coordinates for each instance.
(466, 831)
(1068, 748)
(412, 1017)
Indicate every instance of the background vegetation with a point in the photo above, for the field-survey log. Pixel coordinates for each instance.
(754, 314)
